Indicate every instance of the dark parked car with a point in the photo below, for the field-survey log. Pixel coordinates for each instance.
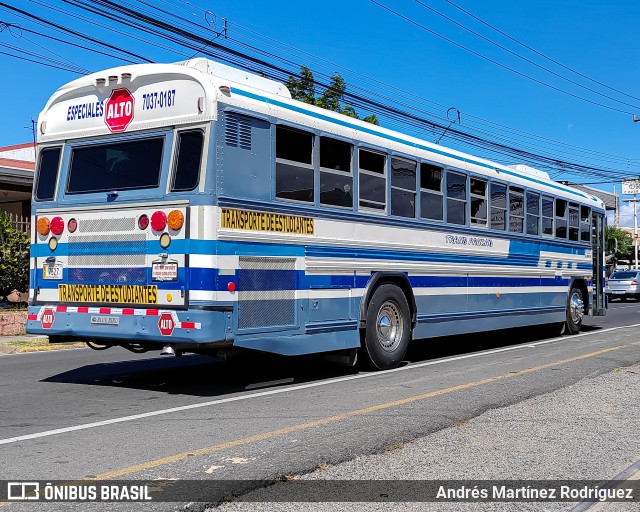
(623, 284)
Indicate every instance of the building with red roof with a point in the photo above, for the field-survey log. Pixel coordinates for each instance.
(17, 165)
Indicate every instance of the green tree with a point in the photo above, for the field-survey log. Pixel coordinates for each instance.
(14, 257)
(618, 244)
(302, 88)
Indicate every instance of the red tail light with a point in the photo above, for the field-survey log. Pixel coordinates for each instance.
(633, 282)
(72, 225)
(158, 221)
(57, 225)
(143, 221)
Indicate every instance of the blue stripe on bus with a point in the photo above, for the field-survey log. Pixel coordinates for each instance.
(527, 251)
(207, 279)
(377, 133)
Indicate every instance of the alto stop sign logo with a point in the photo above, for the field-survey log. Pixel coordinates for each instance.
(166, 324)
(47, 318)
(118, 110)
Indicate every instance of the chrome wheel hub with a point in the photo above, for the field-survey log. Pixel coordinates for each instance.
(389, 326)
(576, 308)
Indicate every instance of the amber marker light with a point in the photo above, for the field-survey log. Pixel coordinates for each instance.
(43, 226)
(57, 226)
(175, 220)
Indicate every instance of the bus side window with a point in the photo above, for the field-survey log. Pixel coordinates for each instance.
(547, 216)
(533, 213)
(561, 218)
(373, 182)
(478, 193)
(498, 206)
(431, 192)
(294, 164)
(516, 210)
(189, 157)
(456, 198)
(585, 223)
(336, 178)
(47, 174)
(403, 188)
(574, 222)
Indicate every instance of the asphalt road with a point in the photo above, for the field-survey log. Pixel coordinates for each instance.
(74, 414)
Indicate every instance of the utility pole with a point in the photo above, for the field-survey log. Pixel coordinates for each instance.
(616, 214)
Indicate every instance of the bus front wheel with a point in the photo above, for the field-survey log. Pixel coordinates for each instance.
(388, 329)
(575, 310)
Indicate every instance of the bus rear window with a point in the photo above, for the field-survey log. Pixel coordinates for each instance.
(118, 166)
(47, 173)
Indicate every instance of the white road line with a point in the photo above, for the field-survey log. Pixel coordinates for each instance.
(279, 391)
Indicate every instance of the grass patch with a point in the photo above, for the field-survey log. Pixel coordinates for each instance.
(40, 345)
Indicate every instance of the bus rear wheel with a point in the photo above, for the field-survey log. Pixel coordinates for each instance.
(575, 310)
(388, 330)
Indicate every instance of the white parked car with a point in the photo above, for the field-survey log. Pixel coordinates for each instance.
(623, 284)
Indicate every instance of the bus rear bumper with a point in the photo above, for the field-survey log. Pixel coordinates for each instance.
(126, 325)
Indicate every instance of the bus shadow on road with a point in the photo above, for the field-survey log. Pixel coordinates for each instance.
(203, 376)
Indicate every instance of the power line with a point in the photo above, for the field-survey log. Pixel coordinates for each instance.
(279, 73)
(170, 29)
(522, 57)
(539, 53)
(73, 32)
(488, 59)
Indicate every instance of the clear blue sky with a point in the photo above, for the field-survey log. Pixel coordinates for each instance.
(396, 58)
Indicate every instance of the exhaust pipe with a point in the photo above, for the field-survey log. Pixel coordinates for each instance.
(167, 350)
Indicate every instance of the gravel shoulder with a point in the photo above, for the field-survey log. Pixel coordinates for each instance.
(587, 431)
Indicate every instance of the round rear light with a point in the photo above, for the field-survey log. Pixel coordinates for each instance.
(143, 221)
(175, 220)
(43, 226)
(72, 225)
(165, 240)
(158, 221)
(57, 225)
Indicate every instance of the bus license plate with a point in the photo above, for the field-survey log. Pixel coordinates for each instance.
(105, 320)
(52, 271)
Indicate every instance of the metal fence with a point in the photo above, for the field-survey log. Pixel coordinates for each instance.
(20, 222)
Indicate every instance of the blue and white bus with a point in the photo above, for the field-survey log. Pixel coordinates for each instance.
(193, 207)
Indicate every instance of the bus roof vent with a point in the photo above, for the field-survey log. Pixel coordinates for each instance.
(525, 169)
(236, 75)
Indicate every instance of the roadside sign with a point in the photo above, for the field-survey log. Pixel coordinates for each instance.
(118, 110)
(166, 324)
(47, 318)
(631, 186)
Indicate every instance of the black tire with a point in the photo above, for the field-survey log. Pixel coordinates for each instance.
(388, 330)
(575, 310)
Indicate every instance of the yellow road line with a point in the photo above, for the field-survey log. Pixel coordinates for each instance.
(339, 417)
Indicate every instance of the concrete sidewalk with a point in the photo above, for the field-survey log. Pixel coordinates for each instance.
(586, 431)
(32, 343)
(23, 337)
